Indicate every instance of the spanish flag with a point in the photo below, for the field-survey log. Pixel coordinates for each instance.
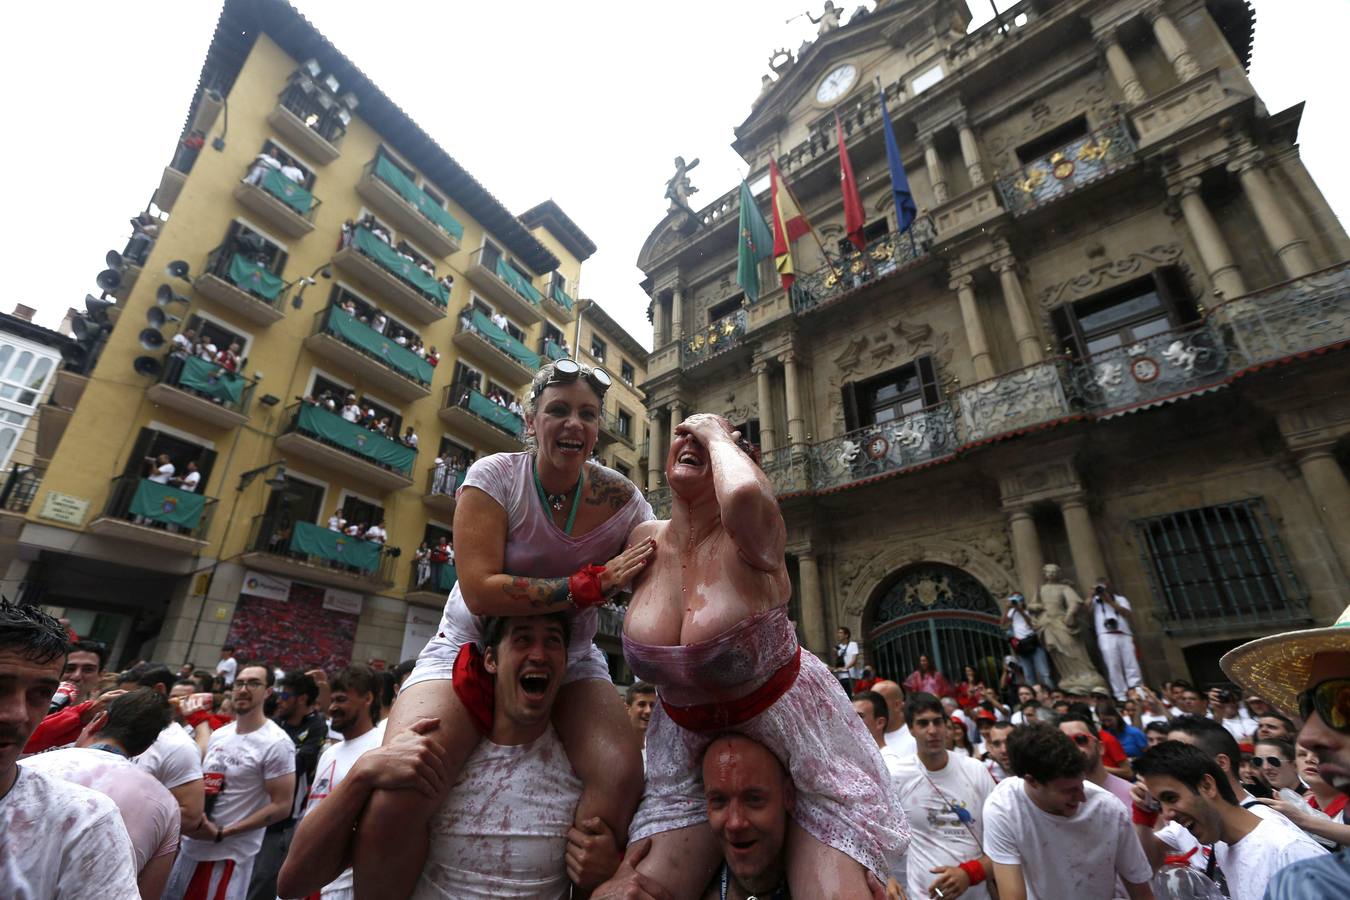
(789, 223)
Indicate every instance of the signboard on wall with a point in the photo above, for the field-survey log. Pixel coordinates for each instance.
(269, 587)
(342, 601)
(418, 628)
(64, 508)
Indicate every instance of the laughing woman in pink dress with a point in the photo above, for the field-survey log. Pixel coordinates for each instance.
(708, 625)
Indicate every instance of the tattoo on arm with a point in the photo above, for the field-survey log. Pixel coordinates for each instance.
(543, 593)
(610, 489)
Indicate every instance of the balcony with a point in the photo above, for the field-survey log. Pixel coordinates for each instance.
(430, 587)
(1287, 321)
(504, 357)
(1157, 370)
(910, 442)
(885, 256)
(394, 278)
(377, 360)
(560, 303)
(170, 186)
(1185, 107)
(308, 552)
(549, 350)
(204, 391)
(242, 286)
(1022, 400)
(486, 424)
(286, 206)
(309, 121)
(327, 439)
(1079, 163)
(611, 431)
(155, 515)
(609, 621)
(505, 286)
(392, 195)
(715, 339)
(442, 483)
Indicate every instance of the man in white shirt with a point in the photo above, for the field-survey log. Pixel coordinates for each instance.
(1225, 709)
(376, 533)
(943, 795)
(1051, 835)
(173, 759)
(499, 320)
(336, 522)
(1111, 614)
(228, 665)
(56, 839)
(190, 481)
(1035, 661)
(250, 783)
(161, 469)
(898, 739)
(293, 172)
(1194, 792)
(847, 665)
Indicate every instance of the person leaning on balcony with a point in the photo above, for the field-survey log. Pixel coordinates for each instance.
(337, 522)
(448, 282)
(345, 237)
(379, 323)
(351, 411)
(190, 481)
(228, 359)
(499, 320)
(409, 438)
(376, 533)
(531, 527)
(433, 357)
(292, 171)
(268, 159)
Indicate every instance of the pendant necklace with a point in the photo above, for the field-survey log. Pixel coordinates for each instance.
(556, 502)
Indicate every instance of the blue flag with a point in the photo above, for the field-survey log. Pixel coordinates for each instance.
(905, 210)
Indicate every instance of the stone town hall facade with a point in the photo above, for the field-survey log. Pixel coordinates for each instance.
(1110, 341)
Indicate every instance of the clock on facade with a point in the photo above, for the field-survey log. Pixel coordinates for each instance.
(836, 84)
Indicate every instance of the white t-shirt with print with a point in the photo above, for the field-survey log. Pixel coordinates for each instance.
(248, 762)
(1248, 864)
(61, 840)
(333, 766)
(938, 837)
(173, 759)
(1074, 856)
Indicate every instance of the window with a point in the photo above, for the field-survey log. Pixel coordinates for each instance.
(308, 181)
(725, 308)
(393, 161)
(871, 231)
(625, 425)
(1218, 563)
(926, 79)
(1052, 140)
(433, 194)
(480, 304)
(504, 392)
(150, 443)
(556, 283)
(453, 450)
(407, 249)
(1125, 315)
(25, 375)
(749, 430)
(361, 512)
(551, 333)
(891, 395)
(626, 371)
(250, 244)
(623, 469)
(218, 334)
(491, 253)
(598, 348)
(515, 332)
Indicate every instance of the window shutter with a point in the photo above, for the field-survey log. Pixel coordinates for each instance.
(1175, 295)
(135, 464)
(205, 461)
(1066, 330)
(850, 392)
(928, 383)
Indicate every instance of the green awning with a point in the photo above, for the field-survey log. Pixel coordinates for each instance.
(358, 334)
(293, 195)
(498, 415)
(210, 379)
(365, 241)
(169, 505)
(378, 448)
(255, 278)
(393, 176)
(311, 540)
(561, 297)
(518, 282)
(504, 341)
(553, 351)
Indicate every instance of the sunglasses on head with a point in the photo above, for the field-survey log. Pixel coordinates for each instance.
(567, 371)
(1330, 699)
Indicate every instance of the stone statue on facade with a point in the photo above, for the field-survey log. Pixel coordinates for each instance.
(1054, 614)
(678, 188)
(829, 18)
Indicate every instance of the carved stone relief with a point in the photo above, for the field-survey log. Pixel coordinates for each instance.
(1108, 273)
(1001, 140)
(899, 342)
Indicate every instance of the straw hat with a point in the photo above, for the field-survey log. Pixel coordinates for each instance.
(1277, 667)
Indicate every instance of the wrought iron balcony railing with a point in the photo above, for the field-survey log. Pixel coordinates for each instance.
(304, 542)
(1305, 315)
(1078, 163)
(717, 337)
(160, 506)
(21, 486)
(313, 106)
(1157, 369)
(909, 442)
(884, 256)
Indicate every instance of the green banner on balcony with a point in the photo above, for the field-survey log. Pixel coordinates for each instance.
(255, 278)
(446, 578)
(210, 379)
(497, 415)
(332, 427)
(504, 341)
(169, 505)
(553, 351)
(293, 195)
(397, 357)
(312, 540)
(518, 282)
(561, 297)
(401, 268)
(393, 176)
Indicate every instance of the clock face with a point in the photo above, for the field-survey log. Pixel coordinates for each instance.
(837, 83)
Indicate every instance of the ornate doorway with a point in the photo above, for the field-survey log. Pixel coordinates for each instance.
(940, 611)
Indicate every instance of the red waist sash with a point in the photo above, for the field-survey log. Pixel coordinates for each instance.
(730, 713)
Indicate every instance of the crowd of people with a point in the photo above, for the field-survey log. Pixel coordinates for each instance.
(367, 417)
(271, 160)
(373, 531)
(371, 224)
(379, 322)
(738, 767)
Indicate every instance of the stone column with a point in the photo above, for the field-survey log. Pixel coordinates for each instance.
(1172, 43)
(1122, 70)
(1026, 546)
(656, 459)
(1024, 329)
(1223, 272)
(768, 438)
(970, 153)
(936, 174)
(676, 417)
(1291, 249)
(813, 606)
(676, 314)
(658, 322)
(1330, 492)
(1084, 547)
(970, 316)
(794, 401)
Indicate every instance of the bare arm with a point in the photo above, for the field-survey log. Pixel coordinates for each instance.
(749, 509)
(191, 799)
(280, 793)
(155, 875)
(1011, 886)
(1139, 891)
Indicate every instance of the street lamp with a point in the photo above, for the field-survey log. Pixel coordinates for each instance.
(305, 282)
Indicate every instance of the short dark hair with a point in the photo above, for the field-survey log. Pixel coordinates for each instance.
(637, 687)
(495, 628)
(1158, 726)
(1002, 723)
(301, 684)
(204, 682)
(1074, 715)
(360, 678)
(1210, 736)
(1183, 684)
(1287, 722)
(879, 708)
(923, 703)
(1044, 753)
(1187, 764)
(31, 632)
(136, 718)
(153, 674)
(98, 648)
(257, 664)
(404, 669)
(846, 631)
(1286, 748)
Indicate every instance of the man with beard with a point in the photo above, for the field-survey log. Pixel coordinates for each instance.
(996, 745)
(1083, 732)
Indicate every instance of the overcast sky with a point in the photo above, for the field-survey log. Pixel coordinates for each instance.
(587, 103)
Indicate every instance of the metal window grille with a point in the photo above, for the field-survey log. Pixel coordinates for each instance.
(1218, 566)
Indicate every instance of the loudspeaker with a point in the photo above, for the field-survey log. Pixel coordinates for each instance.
(158, 317)
(164, 295)
(114, 260)
(108, 280)
(147, 365)
(177, 269)
(151, 339)
(97, 309)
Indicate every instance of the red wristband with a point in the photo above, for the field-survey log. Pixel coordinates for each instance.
(198, 717)
(973, 868)
(584, 587)
(1147, 817)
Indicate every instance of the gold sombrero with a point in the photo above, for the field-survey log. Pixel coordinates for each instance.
(1277, 667)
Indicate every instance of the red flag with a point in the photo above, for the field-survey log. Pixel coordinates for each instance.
(854, 219)
(789, 223)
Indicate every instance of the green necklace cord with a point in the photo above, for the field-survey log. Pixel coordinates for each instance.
(576, 500)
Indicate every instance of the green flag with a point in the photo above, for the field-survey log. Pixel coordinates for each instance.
(756, 243)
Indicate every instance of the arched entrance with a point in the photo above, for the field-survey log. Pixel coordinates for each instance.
(941, 611)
